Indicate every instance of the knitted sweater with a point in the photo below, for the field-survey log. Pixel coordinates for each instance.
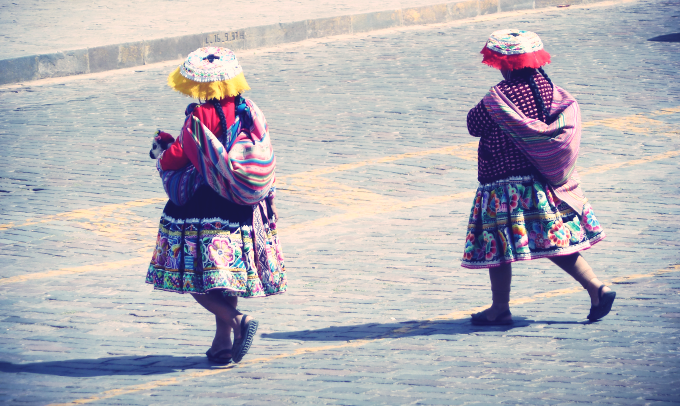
(497, 156)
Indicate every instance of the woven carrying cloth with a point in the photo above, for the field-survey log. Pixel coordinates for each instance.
(552, 149)
(209, 73)
(243, 172)
(513, 49)
(240, 170)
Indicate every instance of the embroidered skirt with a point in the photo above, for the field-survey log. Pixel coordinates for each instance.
(519, 218)
(207, 244)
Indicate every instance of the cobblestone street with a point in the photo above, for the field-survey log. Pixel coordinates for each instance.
(376, 173)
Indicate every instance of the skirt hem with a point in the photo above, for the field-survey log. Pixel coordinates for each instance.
(182, 292)
(530, 256)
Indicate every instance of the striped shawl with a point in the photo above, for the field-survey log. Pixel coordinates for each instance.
(551, 148)
(240, 170)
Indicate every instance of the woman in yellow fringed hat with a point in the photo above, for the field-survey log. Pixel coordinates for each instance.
(217, 238)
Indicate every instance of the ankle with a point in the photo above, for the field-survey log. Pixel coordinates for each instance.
(594, 286)
(500, 307)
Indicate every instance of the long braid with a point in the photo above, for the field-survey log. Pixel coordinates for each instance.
(223, 120)
(542, 114)
(545, 76)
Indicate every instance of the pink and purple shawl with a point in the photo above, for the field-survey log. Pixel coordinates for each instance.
(551, 148)
(241, 170)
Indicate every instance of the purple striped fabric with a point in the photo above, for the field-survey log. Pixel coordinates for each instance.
(242, 170)
(551, 148)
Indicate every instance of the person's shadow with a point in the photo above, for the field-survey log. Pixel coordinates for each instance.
(372, 331)
(110, 366)
(165, 364)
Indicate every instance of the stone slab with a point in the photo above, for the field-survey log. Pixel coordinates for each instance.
(463, 10)
(376, 21)
(167, 49)
(19, 69)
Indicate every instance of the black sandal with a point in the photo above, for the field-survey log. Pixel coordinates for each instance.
(219, 358)
(605, 305)
(242, 345)
(480, 319)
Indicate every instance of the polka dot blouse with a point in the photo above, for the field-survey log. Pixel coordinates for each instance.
(498, 157)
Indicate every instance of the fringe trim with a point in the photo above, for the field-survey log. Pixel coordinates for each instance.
(513, 62)
(208, 90)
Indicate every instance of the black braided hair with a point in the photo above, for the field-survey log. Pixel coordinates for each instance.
(223, 120)
(537, 97)
(546, 109)
(545, 75)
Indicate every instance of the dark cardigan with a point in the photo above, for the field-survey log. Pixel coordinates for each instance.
(497, 156)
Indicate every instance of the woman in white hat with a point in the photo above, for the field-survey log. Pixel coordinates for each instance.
(529, 203)
(217, 238)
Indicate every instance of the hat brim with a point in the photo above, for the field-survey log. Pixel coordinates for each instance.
(513, 62)
(208, 90)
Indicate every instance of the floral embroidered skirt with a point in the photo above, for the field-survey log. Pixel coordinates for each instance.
(520, 218)
(207, 244)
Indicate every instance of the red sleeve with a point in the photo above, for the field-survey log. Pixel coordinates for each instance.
(479, 120)
(173, 158)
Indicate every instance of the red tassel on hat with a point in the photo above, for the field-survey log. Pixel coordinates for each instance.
(513, 62)
(513, 49)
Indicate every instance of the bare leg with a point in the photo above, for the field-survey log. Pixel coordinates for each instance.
(501, 277)
(227, 318)
(576, 266)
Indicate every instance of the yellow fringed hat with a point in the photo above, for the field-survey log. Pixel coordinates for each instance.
(209, 73)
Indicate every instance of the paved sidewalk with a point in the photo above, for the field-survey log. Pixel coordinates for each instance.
(32, 27)
(99, 53)
(375, 172)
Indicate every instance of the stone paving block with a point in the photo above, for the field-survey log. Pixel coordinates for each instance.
(488, 6)
(264, 36)
(436, 13)
(19, 69)
(167, 49)
(376, 21)
(63, 64)
(512, 5)
(103, 58)
(553, 3)
(326, 27)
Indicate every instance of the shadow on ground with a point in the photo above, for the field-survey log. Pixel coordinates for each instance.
(110, 366)
(373, 331)
(165, 364)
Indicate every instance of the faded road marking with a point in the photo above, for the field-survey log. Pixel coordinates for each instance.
(106, 266)
(641, 123)
(365, 210)
(88, 214)
(323, 186)
(637, 123)
(608, 167)
(462, 151)
(374, 210)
